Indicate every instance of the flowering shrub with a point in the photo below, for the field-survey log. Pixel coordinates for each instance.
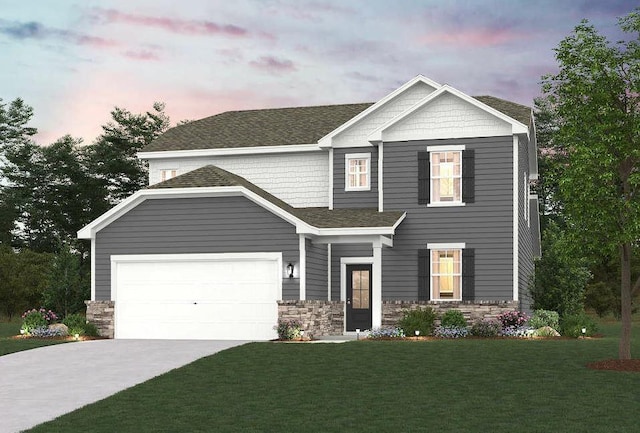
(385, 332)
(32, 319)
(46, 332)
(486, 328)
(288, 329)
(515, 331)
(451, 332)
(512, 318)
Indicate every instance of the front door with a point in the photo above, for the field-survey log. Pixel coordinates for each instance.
(358, 297)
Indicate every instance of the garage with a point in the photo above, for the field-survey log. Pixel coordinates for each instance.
(196, 296)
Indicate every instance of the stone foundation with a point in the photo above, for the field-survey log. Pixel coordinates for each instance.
(100, 313)
(392, 311)
(318, 318)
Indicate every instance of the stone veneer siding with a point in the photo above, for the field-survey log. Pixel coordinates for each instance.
(100, 313)
(392, 311)
(318, 317)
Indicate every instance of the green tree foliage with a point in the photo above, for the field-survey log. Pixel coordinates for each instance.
(560, 277)
(66, 290)
(23, 278)
(595, 98)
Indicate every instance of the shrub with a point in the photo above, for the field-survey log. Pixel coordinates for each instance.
(90, 330)
(571, 325)
(385, 332)
(32, 319)
(421, 320)
(513, 318)
(542, 318)
(486, 328)
(288, 329)
(76, 324)
(451, 331)
(453, 318)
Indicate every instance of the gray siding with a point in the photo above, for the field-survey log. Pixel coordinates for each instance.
(485, 225)
(195, 225)
(525, 238)
(344, 250)
(357, 199)
(316, 271)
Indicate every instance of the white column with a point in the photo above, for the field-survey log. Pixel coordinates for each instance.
(328, 272)
(331, 178)
(376, 295)
(380, 178)
(302, 268)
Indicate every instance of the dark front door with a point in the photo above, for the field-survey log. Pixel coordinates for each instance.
(358, 297)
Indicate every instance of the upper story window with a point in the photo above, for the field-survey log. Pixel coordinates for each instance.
(357, 172)
(446, 176)
(167, 174)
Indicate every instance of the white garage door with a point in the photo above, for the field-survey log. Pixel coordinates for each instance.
(197, 296)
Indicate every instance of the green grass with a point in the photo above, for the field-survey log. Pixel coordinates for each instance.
(8, 345)
(442, 386)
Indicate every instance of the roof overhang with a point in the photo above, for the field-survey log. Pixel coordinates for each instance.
(302, 227)
(232, 151)
(516, 127)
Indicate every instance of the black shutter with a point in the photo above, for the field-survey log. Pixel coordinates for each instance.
(468, 176)
(423, 177)
(423, 275)
(468, 274)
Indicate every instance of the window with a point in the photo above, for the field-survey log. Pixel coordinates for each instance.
(446, 177)
(167, 174)
(446, 274)
(358, 172)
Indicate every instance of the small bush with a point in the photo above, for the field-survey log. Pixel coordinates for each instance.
(385, 332)
(510, 319)
(451, 331)
(542, 318)
(90, 330)
(76, 324)
(288, 329)
(571, 325)
(421, 320)
(453, 318)
(32, 319)
(486, 328)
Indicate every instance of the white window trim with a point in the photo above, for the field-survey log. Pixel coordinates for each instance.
(367, 158)
(440, 247)
(442, 149)
(165, 170)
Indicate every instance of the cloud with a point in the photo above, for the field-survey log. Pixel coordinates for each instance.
(273, 64)
(172, 25)
(144, 55)
(36, 30)
(471, 37)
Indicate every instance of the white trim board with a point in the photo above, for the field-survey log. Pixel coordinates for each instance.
(256, 150)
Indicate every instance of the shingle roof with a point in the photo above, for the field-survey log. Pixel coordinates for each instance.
(212, 176)
(253, 128)
(283, 126)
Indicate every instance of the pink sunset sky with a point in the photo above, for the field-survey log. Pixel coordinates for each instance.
(73, 61)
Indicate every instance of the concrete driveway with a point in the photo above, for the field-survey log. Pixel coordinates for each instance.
(41, 384)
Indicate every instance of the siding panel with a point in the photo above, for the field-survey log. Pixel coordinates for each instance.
(351, 199)
(316, 271)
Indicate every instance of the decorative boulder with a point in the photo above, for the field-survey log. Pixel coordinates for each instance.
(546, 331)
(60, 328)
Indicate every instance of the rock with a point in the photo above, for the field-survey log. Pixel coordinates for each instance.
(61, 328)
(546, 331)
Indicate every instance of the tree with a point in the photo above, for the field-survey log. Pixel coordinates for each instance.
(66, 291)
(23, 278)
(595, 97)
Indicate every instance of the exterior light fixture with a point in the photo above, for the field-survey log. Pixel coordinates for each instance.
(76, 336)
(302, 334)
(417, 332)
(358, 334)
(584, 332)
(290, 270)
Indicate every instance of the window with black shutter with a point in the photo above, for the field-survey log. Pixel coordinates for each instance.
(423, 177)
(468, 274)
(468, 176)
(423, 275)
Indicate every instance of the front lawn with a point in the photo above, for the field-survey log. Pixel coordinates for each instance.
(366, 386)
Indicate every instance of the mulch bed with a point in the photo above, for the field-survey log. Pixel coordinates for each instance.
(616, 365)
(59, 338)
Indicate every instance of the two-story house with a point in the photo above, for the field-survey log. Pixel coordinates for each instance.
(341, 216)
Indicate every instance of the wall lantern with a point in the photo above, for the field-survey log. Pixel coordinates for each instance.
(290, 270)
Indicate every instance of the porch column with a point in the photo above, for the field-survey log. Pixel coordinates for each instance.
(376, 304)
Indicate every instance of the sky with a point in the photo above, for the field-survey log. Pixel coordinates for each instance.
(73, 61)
